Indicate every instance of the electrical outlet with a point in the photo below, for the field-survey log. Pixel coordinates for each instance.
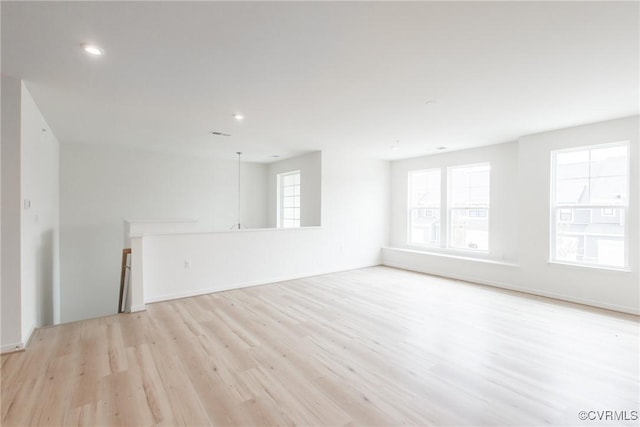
(187, 263)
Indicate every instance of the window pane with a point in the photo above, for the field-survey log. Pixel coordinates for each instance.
(289, 191)
(289, 213)
(573, 170)
(469, 207)
(610, 190)
(572, 157)
(288, 180)
(572, 191)
(291, 202)
(289, 223)
(288, 207)
(596, 175)
(469, 185)
(479, 195)
(470, 228)
(424, 226)
(611, 155)
(592, 235)
(460, 196)
(425, 188)
(424, 207)
(591, 176)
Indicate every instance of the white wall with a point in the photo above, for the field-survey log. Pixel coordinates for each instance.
(521, 259)
(310, 166)
(592, 286)
(30, 276)
(354, 228)
(99, 186)
(11, 328)
(39, 221)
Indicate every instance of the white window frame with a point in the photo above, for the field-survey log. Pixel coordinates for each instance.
(280, 219)
(555, 206)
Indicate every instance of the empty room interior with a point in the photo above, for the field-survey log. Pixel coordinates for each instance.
(320, 213)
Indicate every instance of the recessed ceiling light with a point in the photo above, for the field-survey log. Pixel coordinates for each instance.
(92, 49)
(395, 147)
(430, 101)
(238, 116)
(275, 156)
(441, 148)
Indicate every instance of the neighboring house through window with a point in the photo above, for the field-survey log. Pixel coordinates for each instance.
(589, 202)
(424, 207)
(467, 207)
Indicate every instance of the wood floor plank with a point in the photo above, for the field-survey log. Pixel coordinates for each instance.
(375, 347)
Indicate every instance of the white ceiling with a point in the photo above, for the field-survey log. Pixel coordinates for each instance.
(317, 75)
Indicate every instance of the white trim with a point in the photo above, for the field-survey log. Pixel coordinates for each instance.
(446, 255)
(11, 348)
(178, 295)
(596, 266)
(27, 338)
(507, 286)
(136, 308)
(19, 346)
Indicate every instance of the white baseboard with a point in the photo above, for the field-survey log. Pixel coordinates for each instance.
(507, 286)
(137, 308)
(27, 338)
(11, 348)
(204, 291)
(19, 346)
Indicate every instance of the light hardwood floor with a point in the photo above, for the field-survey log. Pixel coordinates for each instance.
(377, 346)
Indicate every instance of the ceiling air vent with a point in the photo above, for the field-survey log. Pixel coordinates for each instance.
(213, 132)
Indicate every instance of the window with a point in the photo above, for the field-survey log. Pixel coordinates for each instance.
(469, 206)
(466, 226)
(289, 199)
(424, 207)
(589, 202)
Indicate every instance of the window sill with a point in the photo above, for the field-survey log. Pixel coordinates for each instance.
(448, 251)
(454, 256)
(595, 267)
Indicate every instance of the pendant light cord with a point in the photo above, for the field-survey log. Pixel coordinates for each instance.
(239, 154)
(238, 225)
